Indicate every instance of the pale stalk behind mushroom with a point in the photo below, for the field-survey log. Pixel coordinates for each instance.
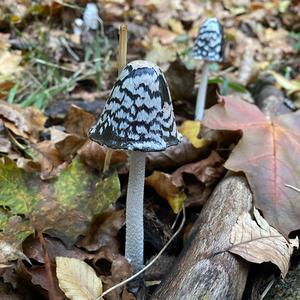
(122, 59)
(201, 96)
(209, 48)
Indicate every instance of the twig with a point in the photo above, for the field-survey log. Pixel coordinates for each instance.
(150, 263)
(53, 294)
(293, 188)
(122, 58)
(43, 62)
(101, 26)
(69, 49)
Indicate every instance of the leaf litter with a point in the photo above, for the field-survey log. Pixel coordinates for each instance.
(51, 174)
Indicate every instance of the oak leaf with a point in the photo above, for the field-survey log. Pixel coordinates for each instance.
(268, 153)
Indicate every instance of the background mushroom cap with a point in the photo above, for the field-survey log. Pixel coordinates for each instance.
(209, 43)
(138, 114)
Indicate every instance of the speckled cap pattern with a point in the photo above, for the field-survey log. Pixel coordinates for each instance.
(138, 114)
(209, 42)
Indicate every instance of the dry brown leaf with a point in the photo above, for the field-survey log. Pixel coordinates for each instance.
(23, 122)
(160, 54)
(165, 36)
(78, 121)
(10, 252)
(49, 158)
(94, 155)
(33, 249)
(258, 242)
(120, 270)
(77, 279)
(104, 231)
(165, 186)
(199, 178)
(207, 170)
(66, 144)
(174, 156)
(37, 275)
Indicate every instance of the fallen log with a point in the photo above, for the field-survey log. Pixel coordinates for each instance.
(205, 270)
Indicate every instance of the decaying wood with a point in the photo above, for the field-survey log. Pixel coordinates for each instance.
(205, 270)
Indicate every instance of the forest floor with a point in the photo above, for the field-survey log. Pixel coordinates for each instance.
(55, 199)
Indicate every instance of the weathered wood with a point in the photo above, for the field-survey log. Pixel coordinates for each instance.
(204, 270)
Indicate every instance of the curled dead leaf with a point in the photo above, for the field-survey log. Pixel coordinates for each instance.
(66, 144)
(49, 158)
(78, 121)
(120, 269)
(175, 156)
(256, 241)
(199, 178)
(23, 122)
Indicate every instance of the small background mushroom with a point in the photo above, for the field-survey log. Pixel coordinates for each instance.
(209, 48)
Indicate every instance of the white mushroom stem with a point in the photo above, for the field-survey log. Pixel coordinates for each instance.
(201, 96)
(134, 246)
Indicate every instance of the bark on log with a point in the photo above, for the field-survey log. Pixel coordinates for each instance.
(202, 272)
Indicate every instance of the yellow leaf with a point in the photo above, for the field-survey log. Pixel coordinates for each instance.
(15, 19)
(176, 26)
(160, 54)
(165, 187)
(191, 129)
(77, 279)
(290, 85)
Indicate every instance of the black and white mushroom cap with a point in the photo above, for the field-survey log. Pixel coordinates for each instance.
(138, 114)
(209, 43)
(90, 16)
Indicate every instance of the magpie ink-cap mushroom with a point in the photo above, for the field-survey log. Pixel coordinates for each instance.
(138, 116)
(208, 46)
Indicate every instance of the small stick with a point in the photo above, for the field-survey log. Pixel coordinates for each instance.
(122, 59)
(292, 187)
(201, 96)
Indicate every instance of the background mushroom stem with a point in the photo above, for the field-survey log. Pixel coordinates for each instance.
(134, 246)
(201, 96)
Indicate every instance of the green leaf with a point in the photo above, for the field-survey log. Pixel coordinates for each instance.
(64, 206)
(237, 87)
(70, 202)
(12, 93)
(15, 192)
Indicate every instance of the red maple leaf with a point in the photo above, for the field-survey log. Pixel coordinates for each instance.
(268, 153)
